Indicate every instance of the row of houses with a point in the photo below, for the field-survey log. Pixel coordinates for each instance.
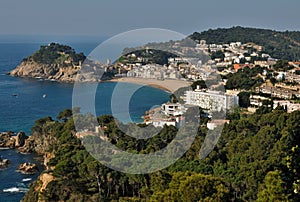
(282, 93)
(287, 104)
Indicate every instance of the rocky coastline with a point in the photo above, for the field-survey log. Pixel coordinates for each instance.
(54, 62)
(52, 72)
(11, 141)
(23, 144)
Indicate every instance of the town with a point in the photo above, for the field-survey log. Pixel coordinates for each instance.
(276, 82)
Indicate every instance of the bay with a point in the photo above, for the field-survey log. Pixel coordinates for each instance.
(22, 101)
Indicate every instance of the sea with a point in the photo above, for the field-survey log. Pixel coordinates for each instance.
(22, 101)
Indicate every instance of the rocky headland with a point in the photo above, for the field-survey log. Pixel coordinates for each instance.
(36, 143)
(52, 62)
(53, 72)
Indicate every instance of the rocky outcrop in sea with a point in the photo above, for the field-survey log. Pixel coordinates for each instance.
(9, 140)
(4, 163)
(28, 168)
(55, 72)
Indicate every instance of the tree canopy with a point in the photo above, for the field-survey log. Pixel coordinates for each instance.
(256, 158)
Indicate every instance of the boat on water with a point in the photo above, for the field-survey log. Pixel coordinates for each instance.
(44, 96)
(26, 179)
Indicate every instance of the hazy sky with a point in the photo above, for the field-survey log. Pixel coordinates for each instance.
(110, 17)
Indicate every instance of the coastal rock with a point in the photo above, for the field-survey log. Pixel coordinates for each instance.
(20, 139)
(28, 146)
(38, 143)
(4, 163)
(47, 157)
(45, 178)
(28, 168)
(7, 141)
(32, 69)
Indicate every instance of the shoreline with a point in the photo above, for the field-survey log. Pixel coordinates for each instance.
(167, 85)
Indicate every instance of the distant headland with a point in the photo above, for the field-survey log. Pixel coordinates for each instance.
(54, 62)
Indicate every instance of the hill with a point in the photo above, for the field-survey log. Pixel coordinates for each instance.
(54, 53)
(280, 45)
(256, 158)
(52, 61)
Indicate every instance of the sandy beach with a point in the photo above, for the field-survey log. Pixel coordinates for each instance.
(168, 85)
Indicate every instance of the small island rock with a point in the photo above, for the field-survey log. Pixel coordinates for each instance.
(4, 163)
(28, 168)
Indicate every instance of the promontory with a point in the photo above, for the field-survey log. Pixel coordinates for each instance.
(52, 62)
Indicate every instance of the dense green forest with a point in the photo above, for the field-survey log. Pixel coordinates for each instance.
(245, 78)
(56, 54)
(280, 45)
(256, 158)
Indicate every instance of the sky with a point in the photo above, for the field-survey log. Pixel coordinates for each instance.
(106, 18)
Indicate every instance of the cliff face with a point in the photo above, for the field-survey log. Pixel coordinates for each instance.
(7, 140)
(42, 143)
(32, 69)
(39, 143)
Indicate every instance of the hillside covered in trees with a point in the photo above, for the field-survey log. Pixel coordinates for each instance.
(52, 62)
(256, 158)
(280, 45)
(54, 53)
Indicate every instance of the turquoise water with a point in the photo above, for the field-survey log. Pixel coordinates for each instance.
(17, 113)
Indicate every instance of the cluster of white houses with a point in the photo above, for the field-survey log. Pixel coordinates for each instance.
(153, 71)
(236, 53)
(173, 113)
(287, 104)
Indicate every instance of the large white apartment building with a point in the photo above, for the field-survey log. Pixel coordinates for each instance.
(211, 100)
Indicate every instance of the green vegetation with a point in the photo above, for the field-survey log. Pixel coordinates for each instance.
(200, 83)
(244, 99)
(245, 78)
(217, 54)
(147, 55)
(56, 54)
(256, 158)
(280, 45)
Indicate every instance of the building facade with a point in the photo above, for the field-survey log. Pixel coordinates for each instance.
(211, 100)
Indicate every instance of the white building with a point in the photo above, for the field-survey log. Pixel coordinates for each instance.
(211, 125)
(170, 114)
(161, 122)
(257, 101)
(211, 100)
(172, 109)
(174, 121)
(288, 105)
